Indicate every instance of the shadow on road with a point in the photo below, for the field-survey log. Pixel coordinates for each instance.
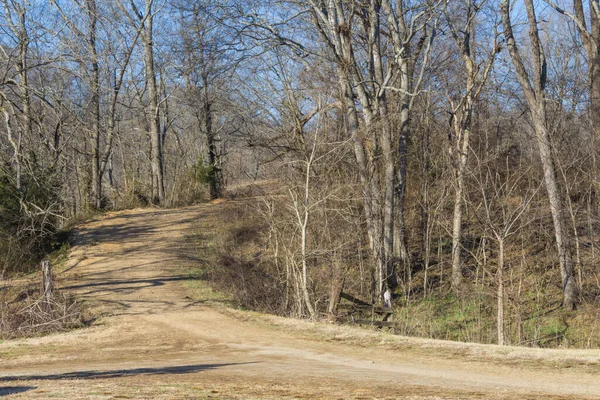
(7, 391)
(133, 283)
(177, 370)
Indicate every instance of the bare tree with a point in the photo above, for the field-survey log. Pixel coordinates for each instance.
(145, 19)
(411, 39)
(353, 33)
(92, 15)
(16, 15)
(506, 195)
(533, 85)
(207, 65)
(105, 72)
(588, 27)
(117, 62)
(476, 71)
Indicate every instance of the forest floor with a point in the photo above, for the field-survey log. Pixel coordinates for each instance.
(162, 335)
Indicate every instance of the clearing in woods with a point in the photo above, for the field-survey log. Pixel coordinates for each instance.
(154, 342)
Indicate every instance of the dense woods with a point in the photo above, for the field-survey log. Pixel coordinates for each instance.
(446, 151)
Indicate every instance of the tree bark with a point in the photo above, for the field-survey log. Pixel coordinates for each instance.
(500, 295)
(594, 83)
(158, 186)
(96, 192)
(337, 285)
(462, 115)
(463, 132)
(400, 239)
(534, 91)
(19, 29)
(216, 184)
(561, 232)
(385, 133)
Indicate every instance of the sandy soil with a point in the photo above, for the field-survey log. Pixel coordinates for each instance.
(154, 342)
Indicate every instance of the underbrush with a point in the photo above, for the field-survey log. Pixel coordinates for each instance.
(243, 274)
(238, 260)
(26, 313)
(472, 318)
(229, 254)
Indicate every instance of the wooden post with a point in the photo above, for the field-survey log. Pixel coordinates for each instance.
(47, 281)
(336, 289)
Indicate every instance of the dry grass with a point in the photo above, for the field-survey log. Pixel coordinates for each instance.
(588, 360)
(25, 313)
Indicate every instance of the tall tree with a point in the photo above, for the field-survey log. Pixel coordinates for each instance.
(413, 28)
(120, 52)
(369, 68)
(145, 19)
(206, 64)
(588, 27)
(92, 15)
(16, 15)
(476, 69)
(533, 85)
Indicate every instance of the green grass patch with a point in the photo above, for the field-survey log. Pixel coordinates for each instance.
(447, 317)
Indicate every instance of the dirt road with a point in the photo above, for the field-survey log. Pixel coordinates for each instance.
(154, 342)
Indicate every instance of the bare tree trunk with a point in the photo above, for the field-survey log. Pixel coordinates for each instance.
(462, 112)
(401, 252)
(337, 285)
(463, 148)
(561, 230)
(500, 295)
(92, 14)
(372, 220)
(216, 184)
(158, 186)
(400, 239)
(305, 293)
(402, 28)
(25, 97)
(303, 214)
(594, 83)
(389, 179)
(14, 142)
(19, 29)
(534, 91)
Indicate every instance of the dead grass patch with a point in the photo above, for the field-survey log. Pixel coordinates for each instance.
(25, 313)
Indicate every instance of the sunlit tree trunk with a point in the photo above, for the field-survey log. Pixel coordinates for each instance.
(92, 15)
(534, 90)
(158, 185)
(500, 294)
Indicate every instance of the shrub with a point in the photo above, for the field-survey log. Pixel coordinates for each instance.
(27, 314)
